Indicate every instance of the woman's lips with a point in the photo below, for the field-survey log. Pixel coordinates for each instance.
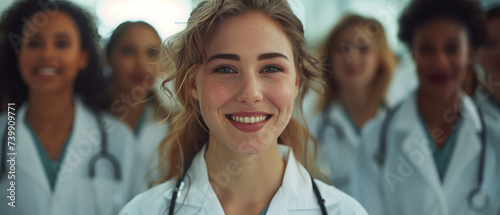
(138, 78)
(248, 121)
(439, 78)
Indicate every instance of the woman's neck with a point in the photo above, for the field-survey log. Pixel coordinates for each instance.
(439, 114)
(359, 104)
(50, 109)
(244, 184)
(133, 104)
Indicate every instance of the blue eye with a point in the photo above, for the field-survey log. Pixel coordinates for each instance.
(224, 70)
(272, 69)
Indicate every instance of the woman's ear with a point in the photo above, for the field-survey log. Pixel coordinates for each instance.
(192, 86)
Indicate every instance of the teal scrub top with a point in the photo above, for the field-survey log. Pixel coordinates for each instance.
(494, 104)
(265, 210)
(51, 167)
(351, 122)
(141, 122)
(442, 156)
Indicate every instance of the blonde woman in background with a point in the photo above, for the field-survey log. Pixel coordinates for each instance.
(357, 66)
(241, 68)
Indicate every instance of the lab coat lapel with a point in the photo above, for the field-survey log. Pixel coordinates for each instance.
(415, 145)
(468, 145)
(343, 127)
(28, 157)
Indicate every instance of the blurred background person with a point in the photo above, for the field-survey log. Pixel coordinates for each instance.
(72, 155)
(358, 66)
(489, 58)
(432, 153)
(133, 53)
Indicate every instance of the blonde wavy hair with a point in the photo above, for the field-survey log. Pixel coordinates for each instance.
(186, 53)
(327, 49)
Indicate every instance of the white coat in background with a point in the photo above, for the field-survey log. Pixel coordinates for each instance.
(338, 143)
(147, 139)
(295, 196)
(408, 183)
(73, 191)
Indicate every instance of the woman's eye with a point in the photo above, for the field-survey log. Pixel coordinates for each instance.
(224, 70)
(451, 49)
(425, 49)
(152, 53)
(128, 50)
(272, 69)
(62, 44)
(34, 44)
(363, 49)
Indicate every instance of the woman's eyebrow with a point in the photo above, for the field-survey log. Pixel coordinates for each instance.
(271, 55)
(237, 58)
(224, 56)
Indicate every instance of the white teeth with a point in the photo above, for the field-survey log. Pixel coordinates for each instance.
(46, 71)
(248, 120)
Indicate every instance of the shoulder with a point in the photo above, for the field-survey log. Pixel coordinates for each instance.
(338, 202)
(152, 201)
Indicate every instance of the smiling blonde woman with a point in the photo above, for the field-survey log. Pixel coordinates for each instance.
(240, 69)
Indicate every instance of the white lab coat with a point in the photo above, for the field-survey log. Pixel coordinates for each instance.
(146, 155)
(408, 183)
(338, 143)
(72, 193)
(295, 196)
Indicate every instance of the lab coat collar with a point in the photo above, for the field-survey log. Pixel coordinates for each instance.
(487, 107)
(30, 161)
(337, 114)
(407, 116)
(295, 191)
(415, 145)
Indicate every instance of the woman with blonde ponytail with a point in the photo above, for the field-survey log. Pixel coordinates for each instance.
(240, 71)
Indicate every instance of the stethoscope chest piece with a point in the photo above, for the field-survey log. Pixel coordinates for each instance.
(478, 200)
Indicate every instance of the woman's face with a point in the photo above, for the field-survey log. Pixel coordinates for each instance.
(355, 59)
(134, 60)
(247, 85)
(489, 56)
(442, 55)
(51, 56)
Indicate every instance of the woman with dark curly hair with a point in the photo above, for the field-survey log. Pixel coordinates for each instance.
(432, 153)
(52, 82)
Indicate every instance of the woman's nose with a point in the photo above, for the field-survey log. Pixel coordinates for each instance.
(250, 90)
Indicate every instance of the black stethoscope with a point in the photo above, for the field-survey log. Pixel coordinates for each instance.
(478, 199)
(103, 154)
(180, 185)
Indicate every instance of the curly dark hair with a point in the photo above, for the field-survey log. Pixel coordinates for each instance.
(466, 12)
(89, 85)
